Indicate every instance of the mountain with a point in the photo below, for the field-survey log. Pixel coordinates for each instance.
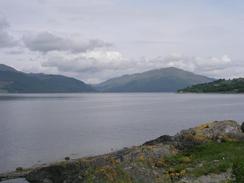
(161, 80)
(6, 68)
(218, 86)
(13, 81)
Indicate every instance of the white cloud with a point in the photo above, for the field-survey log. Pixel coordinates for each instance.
(99, 65)
(91, 61)
(195, 64)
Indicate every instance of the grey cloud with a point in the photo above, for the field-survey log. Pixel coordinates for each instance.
(45, 42)
(3, 23)
(6, 39)
(156, 42)
(15, 51)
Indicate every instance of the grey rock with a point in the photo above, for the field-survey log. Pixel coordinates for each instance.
(211, 178)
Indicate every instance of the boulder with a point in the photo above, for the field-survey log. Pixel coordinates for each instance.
(218, 131)
(242, 127)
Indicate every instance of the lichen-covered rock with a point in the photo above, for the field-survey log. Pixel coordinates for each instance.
(218, 131)
(166, 139)
(14, 175)
(211, 178)
(212, 131)
(145, 163)
(133, 163)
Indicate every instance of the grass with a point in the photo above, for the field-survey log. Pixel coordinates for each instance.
(205, 159)
(210, 158)
(107, 174)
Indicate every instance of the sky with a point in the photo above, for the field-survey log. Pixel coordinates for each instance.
(94, 40)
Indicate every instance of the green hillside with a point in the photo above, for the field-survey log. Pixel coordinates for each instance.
(218, 86)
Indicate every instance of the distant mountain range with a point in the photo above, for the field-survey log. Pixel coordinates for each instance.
(218, 86)
(160, 80)
(13, 81)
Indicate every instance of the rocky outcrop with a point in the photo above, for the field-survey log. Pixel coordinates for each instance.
(146, 163)
(211, 178)
(13, 175)
(213, 131)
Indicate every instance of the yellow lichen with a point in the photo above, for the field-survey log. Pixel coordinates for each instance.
(160, 163)
(185, 159)
(196, 138)
(108, 172)
(203, 126)
(182, 173)
(141, 157)
(229, 138)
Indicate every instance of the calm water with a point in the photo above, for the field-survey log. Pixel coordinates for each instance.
(35, 129)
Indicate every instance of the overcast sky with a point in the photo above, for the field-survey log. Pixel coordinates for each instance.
(94, 40)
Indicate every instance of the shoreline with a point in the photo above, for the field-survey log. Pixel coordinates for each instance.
(134, 162)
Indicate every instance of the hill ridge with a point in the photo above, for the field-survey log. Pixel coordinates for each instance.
(168, 79)
(13, 81)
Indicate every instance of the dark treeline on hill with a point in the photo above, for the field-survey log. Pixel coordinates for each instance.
(13, 81)
(218, 86)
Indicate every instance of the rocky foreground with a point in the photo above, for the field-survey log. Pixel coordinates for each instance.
(212, 152)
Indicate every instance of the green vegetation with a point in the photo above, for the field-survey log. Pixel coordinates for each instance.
(202, 160)
(107, 174)
(19, 169)
(209, 158)
(218, 86)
